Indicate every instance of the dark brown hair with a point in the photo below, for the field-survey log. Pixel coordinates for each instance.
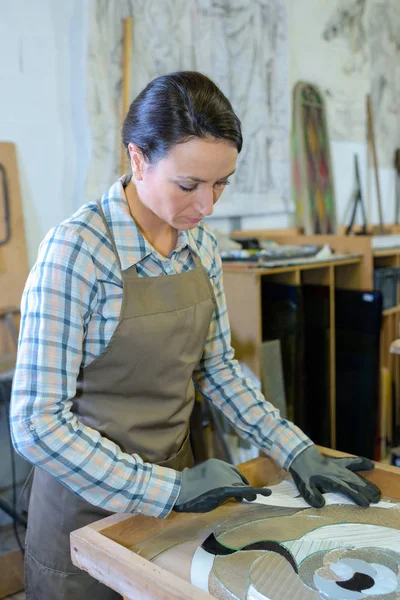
(175, 108)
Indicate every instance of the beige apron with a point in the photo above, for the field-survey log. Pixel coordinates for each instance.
(138, 393)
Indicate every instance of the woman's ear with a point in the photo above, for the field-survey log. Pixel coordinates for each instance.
(137, 161)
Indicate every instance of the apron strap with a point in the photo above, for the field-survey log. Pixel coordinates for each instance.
(196, 259)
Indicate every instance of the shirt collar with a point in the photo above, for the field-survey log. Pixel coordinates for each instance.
(131, 245)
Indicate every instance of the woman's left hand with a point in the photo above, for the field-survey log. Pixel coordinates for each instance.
(314, 473)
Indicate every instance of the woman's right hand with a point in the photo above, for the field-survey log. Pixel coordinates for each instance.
(208, 485)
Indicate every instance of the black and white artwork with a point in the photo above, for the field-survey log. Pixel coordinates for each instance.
(351, 48)
(241, 44)
(384, 47)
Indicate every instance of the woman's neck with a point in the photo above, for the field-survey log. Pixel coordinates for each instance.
(157, 232)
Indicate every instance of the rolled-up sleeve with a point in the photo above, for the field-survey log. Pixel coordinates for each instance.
(220, 379)
(58, 300)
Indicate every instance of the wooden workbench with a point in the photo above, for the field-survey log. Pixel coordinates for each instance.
(104, 549)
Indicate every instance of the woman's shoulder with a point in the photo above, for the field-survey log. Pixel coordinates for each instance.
(77, 241)
(85, 226)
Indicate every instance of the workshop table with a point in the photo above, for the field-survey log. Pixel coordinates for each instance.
(103, 548)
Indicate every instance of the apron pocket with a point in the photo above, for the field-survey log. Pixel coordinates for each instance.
(183, 458)
(25, 494)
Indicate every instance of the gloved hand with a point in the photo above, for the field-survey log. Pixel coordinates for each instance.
(314, 473)
(206, 486)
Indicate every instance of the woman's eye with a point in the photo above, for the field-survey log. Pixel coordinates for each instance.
(222, 183)
(191, 189)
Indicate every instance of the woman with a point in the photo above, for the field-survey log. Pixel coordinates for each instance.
(123, 315)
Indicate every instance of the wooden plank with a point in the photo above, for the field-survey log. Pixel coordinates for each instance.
(390, 253)
(391, 311)
(13, 254)
(126, 80)
(372, 147)
(243, 298)
(382, 416)
(244, 234)
(392, 228)
(11, 573)
(251, 269)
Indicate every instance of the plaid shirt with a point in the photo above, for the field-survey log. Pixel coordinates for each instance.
(70, 308)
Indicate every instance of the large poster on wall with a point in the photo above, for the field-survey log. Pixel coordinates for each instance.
(242, 45)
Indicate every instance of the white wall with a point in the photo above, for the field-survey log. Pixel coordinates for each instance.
(42, 106)
(43, 110)
(305, 65)
(314, 60)
(343, 167)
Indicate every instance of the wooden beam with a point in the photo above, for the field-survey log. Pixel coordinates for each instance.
(372, 146)
(126, 79)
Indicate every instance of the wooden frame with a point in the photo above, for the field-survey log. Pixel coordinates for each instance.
(102, 549)
(13, 254)
(126, 80)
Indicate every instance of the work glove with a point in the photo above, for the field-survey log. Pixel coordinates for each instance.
(206, 486)
(314, 473)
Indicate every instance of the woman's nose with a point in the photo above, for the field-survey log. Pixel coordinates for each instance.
(207, 203)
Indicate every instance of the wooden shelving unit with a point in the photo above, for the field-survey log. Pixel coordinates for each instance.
(389, 362)
(244, 301)
(243, 291)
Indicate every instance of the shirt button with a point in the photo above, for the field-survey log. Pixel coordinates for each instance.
(32, 427)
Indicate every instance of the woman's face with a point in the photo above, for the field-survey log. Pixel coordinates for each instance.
(182, 188)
